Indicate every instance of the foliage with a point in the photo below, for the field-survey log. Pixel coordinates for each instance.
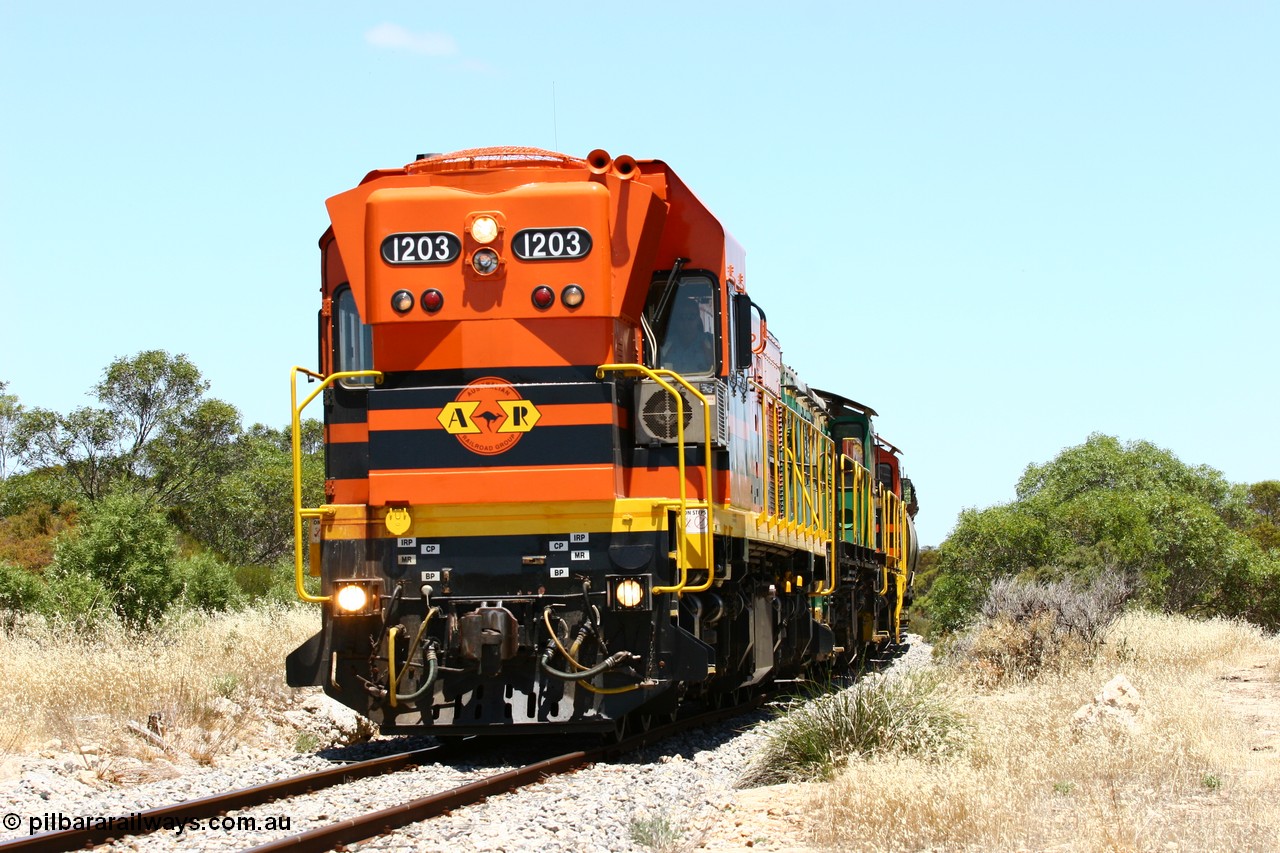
(126, 545)
(904, 715)
(1125, 510)
(656, 832)
(76, 598)
(152, 432)
(20, 589)
(10, 412)
(154, 459)
(1262, 521)
(1028, 627)
(31, 489)
(82, 444)
(207, 583)
(246, 516)
(148, 391)
(27, 537)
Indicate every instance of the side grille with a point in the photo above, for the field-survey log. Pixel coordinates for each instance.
(656, 414)
(659, 415)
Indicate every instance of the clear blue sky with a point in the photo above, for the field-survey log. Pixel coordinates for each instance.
(1003, 225)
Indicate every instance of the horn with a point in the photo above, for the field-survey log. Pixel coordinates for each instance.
(599, 161)
(626, 167)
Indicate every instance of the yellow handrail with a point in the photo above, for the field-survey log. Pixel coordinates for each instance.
(298, 511)
(799, 472)
(681, 534)
(864, 513)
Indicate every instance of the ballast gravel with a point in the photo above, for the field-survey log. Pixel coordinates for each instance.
(674, 795)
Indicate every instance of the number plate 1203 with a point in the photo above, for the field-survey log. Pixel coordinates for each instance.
(421, 247)
(551, 244)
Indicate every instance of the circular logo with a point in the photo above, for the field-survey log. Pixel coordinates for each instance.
(488, 416)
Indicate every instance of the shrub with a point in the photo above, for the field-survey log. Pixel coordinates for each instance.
(20, 589)
(207, 583)
(657, 833)
(1027, 627)
(902, 715)
(273, 583)
(127, 546)
(76, 597)
(1179, 531)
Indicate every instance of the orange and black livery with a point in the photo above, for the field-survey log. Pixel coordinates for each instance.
(570, 483)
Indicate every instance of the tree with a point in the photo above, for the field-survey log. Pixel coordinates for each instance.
(192, 452)
(1263, 520)
(154, 431)
(246, 516)
(84, 444)
(1105, 509)
(10, 412)
(148, 390)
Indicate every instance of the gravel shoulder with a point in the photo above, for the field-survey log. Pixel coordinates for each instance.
(679, 795)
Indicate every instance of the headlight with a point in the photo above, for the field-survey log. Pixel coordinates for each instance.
(572, 296)
(402, 301)
(629, 593)
(484, 229)
(357, 597)
(352, 598)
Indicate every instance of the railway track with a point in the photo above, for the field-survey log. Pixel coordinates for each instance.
(373, 823)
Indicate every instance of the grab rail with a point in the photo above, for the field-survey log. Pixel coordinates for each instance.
(681, 528)
(296, 423)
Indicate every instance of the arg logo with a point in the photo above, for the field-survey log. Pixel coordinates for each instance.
(488, 416)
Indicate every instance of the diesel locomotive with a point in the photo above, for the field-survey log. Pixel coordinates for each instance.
(570, 483)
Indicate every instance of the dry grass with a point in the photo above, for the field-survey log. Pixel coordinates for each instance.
(85, 688)
(1181, 776)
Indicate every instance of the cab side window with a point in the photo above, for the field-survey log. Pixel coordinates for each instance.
(884, 473)
(688, 341)
(352, 339)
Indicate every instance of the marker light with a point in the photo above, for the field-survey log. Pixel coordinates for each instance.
(629, 593)
(572, 296)
(543, 296)
(484, 229)
(402, 301)
(432, 301)
(352, 598)
(485, 261)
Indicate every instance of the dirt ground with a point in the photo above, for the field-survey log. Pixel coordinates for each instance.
(780, 817)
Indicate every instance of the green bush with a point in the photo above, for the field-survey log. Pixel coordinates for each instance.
(76, 597)
(20, 589)
(208, 583)
(126, 546)
(273, 583)
(904, 715)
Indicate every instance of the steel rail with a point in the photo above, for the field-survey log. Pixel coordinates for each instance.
(324, 838)
(152, 820)
(377, 823)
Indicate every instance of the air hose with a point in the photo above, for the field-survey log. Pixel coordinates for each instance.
(604, 666)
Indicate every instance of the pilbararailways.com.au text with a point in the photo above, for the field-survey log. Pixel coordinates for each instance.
(138, 823)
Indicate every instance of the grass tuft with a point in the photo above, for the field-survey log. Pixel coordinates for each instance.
(657, 833)
(812, 740)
